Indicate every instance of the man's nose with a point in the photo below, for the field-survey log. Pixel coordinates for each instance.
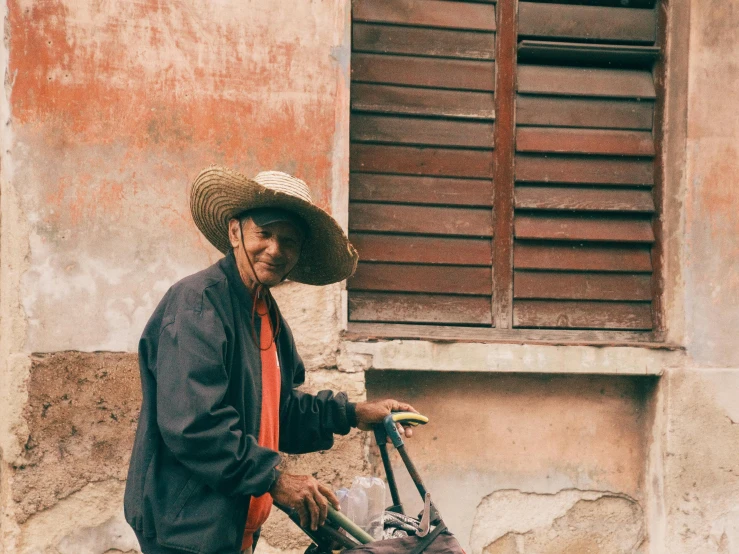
(274, 249)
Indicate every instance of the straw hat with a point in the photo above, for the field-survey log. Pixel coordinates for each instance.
(219, 194)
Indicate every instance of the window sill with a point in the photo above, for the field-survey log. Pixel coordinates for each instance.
(418, 347)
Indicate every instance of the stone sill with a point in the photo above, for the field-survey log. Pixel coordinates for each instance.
(426, 355)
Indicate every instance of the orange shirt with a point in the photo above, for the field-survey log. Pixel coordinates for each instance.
(269, 428)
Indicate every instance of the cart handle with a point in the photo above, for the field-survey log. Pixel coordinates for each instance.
(340, 520)
(404, 418)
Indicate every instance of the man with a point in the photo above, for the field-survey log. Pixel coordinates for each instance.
(219, 369)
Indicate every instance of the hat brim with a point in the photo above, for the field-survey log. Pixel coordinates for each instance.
(219, 194)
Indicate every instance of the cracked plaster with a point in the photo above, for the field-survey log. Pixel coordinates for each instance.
(515, 522)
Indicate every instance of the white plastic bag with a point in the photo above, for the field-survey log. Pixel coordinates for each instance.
(364, 504)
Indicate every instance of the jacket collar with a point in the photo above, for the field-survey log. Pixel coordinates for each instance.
(228, 264)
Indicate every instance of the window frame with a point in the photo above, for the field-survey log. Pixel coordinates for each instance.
(670, 73)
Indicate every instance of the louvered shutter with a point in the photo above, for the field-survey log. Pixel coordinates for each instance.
(584, 165)
(421, 161)
(568, 190)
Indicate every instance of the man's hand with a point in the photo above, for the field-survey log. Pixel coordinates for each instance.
(371, 413)
(306, 496)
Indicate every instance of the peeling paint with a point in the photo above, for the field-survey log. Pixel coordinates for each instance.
(116, 109)
(518, 517)
(116, 106)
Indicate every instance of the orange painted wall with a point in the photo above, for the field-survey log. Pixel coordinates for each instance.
(115, 108)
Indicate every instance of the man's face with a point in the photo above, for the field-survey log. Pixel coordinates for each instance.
(273, 249)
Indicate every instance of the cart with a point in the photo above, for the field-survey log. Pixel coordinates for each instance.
(404, 534)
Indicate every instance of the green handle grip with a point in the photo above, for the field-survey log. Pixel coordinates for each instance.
(349, 526)
(410, 418)
(404, 418)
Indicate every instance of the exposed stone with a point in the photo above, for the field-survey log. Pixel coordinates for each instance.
(81, 414)
(352, 362)
(93, 512)
(313, 315)
(351, 384)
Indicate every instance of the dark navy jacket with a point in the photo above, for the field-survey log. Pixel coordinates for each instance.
(196, 462)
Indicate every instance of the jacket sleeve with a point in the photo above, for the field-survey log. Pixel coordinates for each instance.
(308, 422)
(196, 422)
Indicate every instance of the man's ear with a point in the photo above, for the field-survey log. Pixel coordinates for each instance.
(234, 232)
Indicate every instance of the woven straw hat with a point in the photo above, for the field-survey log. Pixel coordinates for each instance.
(219, 194)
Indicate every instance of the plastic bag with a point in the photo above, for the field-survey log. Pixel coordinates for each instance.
(364, 504)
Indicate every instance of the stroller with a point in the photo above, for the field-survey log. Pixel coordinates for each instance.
(407, 535)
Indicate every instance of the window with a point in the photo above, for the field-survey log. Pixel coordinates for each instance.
(502, 167)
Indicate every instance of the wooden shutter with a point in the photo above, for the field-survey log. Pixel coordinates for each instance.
(421, 161)
(563, 241)
(584, 165)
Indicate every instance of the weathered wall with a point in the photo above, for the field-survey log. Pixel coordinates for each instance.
(111, 108)
(712, 195)
(512, 457)
(115, 108)
(700, 417)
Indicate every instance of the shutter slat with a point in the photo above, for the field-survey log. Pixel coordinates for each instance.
(413, 130)
(594, 199)
(585, 81)
(581, 286)
(592, 170)
(584, 141)
(613, 3)
(425, 220)
(388, 39)
(582, 257)
(420, 308)
(419, 101)
(420, 190)
(582, 314)
(603, 228)
(422, 278)
(602, 24)
(431, 13)
(595, 54)
(410, 160)
(423, 72)
(422, 250)
(584, 112)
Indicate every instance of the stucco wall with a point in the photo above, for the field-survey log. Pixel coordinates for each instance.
(701, 421)
(111, 108)
(115, 108)
(712, 199)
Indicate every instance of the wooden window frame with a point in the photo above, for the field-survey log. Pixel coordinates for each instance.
(670, 67)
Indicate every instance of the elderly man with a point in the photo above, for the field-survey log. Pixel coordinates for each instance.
(219, 369)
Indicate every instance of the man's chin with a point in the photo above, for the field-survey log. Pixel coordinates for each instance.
(270, 279)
